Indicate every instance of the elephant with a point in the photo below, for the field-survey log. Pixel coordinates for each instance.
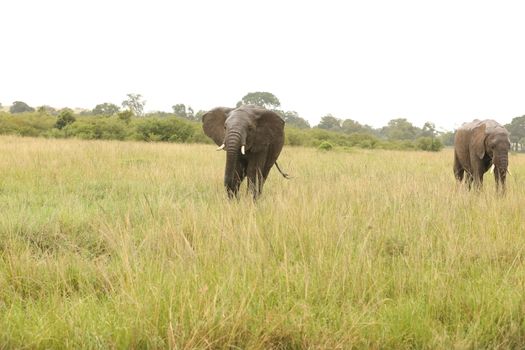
(477, 146)
(252, 137)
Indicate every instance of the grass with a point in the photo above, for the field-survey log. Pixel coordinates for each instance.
(133, 245)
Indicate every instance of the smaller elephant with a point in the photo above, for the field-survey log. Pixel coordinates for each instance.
(477, 146)
(252, 137)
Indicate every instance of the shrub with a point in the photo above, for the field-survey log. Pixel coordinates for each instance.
(125, 116)
(98, 128)
(429, 144)
(64, 118)
(165, 129)
(325, 146)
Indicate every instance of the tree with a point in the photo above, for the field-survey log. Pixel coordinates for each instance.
(107, 109)
(428, 130)
(199, 114)
(190, 114)
(447, 138)
(135, 104)
(179, 110)
(350, 126)
(400, 129)
(263, 99)
(329, 122)
(65, 117)
(20, 107)
(292, 118)
(517, 132)
(46, 110)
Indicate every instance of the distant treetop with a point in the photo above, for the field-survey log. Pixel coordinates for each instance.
(20, 107)
(263, 99)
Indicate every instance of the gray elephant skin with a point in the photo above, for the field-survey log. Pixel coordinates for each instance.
(252, 137)
(477, 146)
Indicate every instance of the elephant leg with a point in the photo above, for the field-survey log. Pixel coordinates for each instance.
(468, 180)
(459, 171)
(478, 179)
(255, 173)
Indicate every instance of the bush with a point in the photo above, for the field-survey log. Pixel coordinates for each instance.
(64, 119)
(98, 128)
(165, 129)
(125, 116)
(25, 124)
(429, 144)
(325, 146)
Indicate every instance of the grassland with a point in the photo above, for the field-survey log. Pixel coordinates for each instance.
(133, 245)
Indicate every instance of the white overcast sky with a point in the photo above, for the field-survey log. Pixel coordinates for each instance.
(371, 61)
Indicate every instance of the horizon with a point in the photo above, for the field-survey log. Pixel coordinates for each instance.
(78, 110)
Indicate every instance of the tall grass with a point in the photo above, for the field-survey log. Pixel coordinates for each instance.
(107, 244)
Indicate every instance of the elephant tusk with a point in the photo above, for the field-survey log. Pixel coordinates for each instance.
(492, 169)
(243, 150)
(508, 171)
(220, 147)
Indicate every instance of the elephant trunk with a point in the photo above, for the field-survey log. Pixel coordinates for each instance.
(501, 164)
(232, 176)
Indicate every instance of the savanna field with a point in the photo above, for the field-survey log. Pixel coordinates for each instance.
(108, 244)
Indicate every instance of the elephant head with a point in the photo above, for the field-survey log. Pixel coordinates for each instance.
(252, 137)
(491, 140)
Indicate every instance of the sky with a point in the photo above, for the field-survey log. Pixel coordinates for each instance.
(372, 61)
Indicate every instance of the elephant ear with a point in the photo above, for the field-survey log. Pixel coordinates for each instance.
(477, 142)
(270, 129)
(213, 123)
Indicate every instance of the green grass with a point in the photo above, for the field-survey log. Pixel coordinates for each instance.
(133, 245)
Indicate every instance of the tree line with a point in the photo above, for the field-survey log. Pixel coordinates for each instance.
(182, 124)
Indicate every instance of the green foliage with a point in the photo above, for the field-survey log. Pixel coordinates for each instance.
(105, 109)
(329, 122)
(428, 130)
(400, 129)
(263, 99)
(350, 126)
(166, 129)
(20, 107)
(135, 104)
(64, 118)
(517, 133)
(426, 143)
(98, 128)
(181, 111)
(315, 137)
(292, 119)
(125, 116)
(325, 146)
(27, 124)
(199, 114)
(47, 110)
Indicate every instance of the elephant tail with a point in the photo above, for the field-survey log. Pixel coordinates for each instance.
(285, 175)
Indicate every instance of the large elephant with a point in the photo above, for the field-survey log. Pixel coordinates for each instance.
(253, 138)
(477, 146)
